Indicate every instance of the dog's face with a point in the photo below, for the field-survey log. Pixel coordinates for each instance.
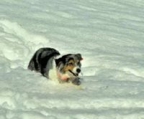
(70, 63)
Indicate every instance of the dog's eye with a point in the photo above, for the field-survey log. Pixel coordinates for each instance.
(78, 63)
(70, 64)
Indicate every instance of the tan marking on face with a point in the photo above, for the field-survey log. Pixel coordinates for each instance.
(70, 66)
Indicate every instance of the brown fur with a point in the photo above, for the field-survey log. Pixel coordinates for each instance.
(69, 66)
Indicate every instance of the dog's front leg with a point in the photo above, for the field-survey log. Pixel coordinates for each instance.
(76, 81)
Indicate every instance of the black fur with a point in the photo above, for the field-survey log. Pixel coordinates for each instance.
(41, 59)
(66, 58)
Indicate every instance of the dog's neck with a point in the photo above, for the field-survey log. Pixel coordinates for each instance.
(63, 77)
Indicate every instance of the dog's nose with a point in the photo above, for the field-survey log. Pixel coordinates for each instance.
(78, 70)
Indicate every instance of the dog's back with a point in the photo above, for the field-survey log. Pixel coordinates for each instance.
(42, 60)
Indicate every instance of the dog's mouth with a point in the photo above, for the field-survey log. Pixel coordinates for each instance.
(75, 74)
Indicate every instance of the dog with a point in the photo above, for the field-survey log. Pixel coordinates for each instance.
(68, 67)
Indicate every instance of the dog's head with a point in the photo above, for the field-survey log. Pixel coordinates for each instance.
(70, 63)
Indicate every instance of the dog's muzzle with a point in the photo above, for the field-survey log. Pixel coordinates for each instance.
(77, 72)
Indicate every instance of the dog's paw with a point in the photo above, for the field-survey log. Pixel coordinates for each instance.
(76, 81)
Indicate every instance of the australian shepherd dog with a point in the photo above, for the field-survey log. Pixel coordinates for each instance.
(67, 67)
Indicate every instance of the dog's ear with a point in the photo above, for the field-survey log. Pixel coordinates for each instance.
(60, 61)
(79, 56)
(60, 64)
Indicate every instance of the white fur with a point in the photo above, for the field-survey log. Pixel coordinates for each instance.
(75, 69)
(53, 72)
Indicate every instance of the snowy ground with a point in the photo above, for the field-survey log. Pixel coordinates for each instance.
(108, 33)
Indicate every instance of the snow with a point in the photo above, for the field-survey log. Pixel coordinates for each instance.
(108, 34)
